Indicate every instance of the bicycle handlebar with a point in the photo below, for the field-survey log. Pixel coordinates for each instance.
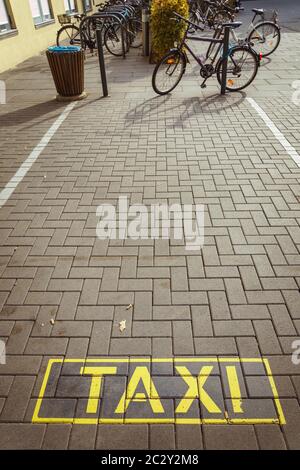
(187, 21)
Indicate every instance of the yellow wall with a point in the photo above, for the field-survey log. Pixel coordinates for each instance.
(30, 40)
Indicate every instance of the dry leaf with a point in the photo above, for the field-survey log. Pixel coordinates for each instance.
(129, 307)
(52, 321)
(122, 325)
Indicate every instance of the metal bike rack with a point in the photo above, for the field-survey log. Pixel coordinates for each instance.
(98, 18)
(225, 59)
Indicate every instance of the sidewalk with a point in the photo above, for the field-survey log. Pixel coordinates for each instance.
(63, 292)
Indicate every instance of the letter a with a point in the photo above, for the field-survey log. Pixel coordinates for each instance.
(141, 373)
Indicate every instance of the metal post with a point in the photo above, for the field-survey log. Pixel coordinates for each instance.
(225, 60)
(146, 32)
(101, 61)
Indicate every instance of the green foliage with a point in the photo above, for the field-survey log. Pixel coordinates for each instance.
(165, 31)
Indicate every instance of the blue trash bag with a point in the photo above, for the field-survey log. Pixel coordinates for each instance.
(64, 49)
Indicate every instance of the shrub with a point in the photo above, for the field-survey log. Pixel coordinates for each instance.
(165, 31)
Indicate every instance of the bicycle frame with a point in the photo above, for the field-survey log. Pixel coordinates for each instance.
(186, 37)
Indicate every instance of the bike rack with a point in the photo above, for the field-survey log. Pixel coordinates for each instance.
(225, 42)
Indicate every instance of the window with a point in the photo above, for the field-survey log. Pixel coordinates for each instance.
(41, 11)
(70, 6)
(5, 22)
(87, 5)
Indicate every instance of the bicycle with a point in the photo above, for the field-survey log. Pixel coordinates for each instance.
(216, 12)
(131, 26)
(262, 36)
(242, 62)
(71, 32)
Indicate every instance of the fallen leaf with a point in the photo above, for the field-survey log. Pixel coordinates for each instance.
(122, 325)
(129, 307)
(52, 321)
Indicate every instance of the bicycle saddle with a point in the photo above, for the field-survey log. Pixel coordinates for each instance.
(259, 11)
(233, 25)
(78, 17)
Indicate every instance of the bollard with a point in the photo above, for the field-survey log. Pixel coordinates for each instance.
(101, 61)
(146, 31)
(225, 60)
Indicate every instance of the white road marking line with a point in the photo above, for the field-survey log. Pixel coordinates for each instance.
(276, 132)
(25, 167)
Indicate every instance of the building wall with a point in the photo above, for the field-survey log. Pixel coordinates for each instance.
(29, 39)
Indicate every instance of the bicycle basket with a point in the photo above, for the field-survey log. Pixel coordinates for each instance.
(64, 19)
(270, 15)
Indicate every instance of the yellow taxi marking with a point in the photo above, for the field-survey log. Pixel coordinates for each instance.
(97, 374)
(141, 375)
(235, 390)
(196, 390)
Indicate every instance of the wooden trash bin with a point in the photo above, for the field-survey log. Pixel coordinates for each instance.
(67, 68)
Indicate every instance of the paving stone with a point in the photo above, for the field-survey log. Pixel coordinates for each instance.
(251, 312)
(90, 292)
(201, 321)
(266, 337)
(20, 365)
(21, 436)
(161, 293)
(131, 346)
(162, 437)
(142, 306)
(95, 313)
(183, 342)
(212, 346)
(82, 437)
(38, 346)
(151, 328)
(5, 385)
(17, 401)
(235, 291)
(233, 328)
(171, 312)
(188, 437)
(57, 437)
(19, 337)
(229, 438)
(72, 328)
(119, 437)
(291, 432)
(219, 305)
(282, 320)
(100, 338)
(68, 306)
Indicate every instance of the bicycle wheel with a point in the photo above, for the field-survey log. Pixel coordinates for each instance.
(113, 40)
(241, 70)
(168, 72)
(265, 38)
(69, 34)
(136, 31)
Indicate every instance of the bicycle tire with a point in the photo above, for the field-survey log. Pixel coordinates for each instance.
(232, 76)
(65, 29)
(254, 31)
(113, 40)
(170, 55)
(136, 29)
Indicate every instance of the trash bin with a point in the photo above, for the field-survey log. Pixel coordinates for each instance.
(67, 68)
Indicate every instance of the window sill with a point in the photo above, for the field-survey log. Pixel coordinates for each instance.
(44, 23)
(8, 34)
